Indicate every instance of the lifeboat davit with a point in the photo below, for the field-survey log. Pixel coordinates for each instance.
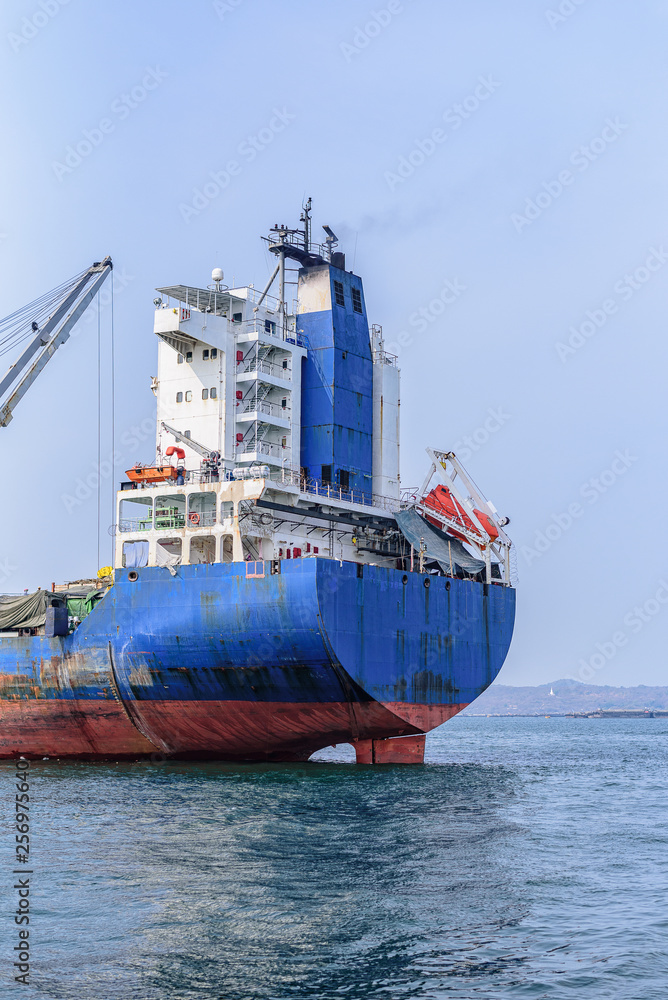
(442, 499)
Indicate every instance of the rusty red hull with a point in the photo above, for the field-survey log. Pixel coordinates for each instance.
(72, 728)
(240, 730)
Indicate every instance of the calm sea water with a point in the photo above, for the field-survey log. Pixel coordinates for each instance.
(528, 858)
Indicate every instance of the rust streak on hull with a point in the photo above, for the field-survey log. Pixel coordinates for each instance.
(253, 730)
(68, 728)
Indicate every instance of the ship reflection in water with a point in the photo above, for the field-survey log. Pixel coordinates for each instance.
(483, 873)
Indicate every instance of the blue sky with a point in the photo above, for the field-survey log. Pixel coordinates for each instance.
(515, 152)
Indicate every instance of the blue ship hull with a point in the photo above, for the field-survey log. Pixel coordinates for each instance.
(232, 661)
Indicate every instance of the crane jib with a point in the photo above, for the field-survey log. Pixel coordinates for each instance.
(54, 332)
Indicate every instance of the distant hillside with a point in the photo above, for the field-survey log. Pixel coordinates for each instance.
(569, 696)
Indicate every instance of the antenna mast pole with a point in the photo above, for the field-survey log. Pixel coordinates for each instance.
(306, 219)
(281, 272)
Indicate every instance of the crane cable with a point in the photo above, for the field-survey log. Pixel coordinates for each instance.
(99, 426)
(18, 326)
(113, 424)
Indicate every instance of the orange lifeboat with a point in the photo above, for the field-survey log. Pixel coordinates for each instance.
(151, 473)
(445, 503)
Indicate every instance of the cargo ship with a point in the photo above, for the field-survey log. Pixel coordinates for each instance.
(276, 589)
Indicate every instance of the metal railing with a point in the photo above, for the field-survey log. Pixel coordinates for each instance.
(270, 409)
(264, 368)
(168, 520)
(275, 450)
(383, 358)
(201, 518)
(135, 524)
(272, 330)
(315, 487)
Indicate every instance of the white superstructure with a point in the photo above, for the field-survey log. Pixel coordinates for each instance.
(229, 377)
(228, 393)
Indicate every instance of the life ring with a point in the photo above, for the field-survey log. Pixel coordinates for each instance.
(193, 517)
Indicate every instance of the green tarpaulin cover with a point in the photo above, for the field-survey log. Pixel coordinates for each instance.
(28, 611)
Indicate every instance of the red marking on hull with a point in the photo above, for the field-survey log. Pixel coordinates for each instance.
(68, 728)
(397, 750)
(251, 730)
(238, 730)
(423, 717)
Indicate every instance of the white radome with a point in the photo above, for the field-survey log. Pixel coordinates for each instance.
(217, 274)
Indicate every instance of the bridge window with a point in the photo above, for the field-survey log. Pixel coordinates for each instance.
(338, 294)
(205, 393)
(168, 552)
(135, 514)
(226, 549)
(179, 359)
(202, 549)
(179, 397)
(205, 355)
(135, 554)
(189, 396)
(357, 300)
(170, 511)
(214, 353)
(344, 479)
(226, 509)
(326, 474)
(201, 510)
(213, 392)
(189, 356)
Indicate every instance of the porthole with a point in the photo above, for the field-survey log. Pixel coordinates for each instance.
(427, 583)
(404, 579)
(447, 585)
(133, 576)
